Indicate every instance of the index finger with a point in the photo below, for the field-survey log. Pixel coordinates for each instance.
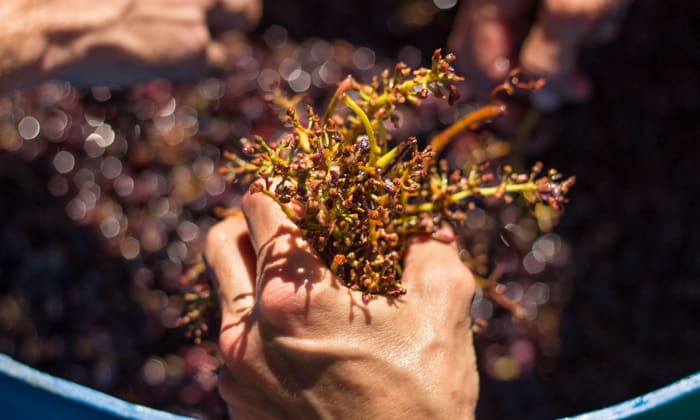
(231, 261)
(291, 277)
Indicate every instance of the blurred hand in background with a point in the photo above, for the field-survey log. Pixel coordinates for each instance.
(542, 37)
(115, 42)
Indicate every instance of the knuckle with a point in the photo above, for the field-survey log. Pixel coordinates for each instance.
(456, 279)
(463, 281)
(279, 302)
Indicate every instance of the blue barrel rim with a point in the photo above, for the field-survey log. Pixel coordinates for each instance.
(646, 402)
(102, 402)
(81, 394)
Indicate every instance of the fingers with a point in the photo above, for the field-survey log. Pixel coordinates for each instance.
(484, 38)
(288, 269)
(551, 49)
(231, 259)
(266, 220)
(487, 33)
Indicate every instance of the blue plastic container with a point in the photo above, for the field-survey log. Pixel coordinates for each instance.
(28, 394)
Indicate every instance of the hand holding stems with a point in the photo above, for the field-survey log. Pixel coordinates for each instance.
(115, 42)
(298, 344)
(492, 36)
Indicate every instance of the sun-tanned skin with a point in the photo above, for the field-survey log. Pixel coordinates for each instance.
(298, 344)
(114, 42)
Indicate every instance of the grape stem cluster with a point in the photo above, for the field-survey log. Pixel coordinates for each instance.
(357, 195)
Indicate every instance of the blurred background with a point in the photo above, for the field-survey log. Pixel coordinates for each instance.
(106, 194)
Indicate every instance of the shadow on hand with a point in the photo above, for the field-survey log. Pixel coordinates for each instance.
(290, 258)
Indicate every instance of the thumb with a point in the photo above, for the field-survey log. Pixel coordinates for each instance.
(292, 279)
(267, 222)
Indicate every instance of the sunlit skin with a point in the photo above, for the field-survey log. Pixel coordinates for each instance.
(115, 42)
(298, 344)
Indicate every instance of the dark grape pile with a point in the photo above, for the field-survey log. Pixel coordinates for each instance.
(133, 172)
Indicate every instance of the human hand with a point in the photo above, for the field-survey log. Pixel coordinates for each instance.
(115, 42)
(491, 36)
(298, 344)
